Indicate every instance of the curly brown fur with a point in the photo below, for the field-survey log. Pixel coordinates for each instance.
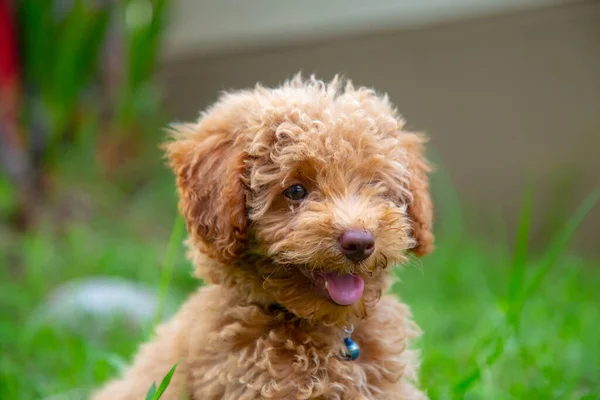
(262, 327)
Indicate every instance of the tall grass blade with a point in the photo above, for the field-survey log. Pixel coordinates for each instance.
(155, 394)
(517, 273)
(151, 392)
(560, 241)
(165, 383)
(167, 271)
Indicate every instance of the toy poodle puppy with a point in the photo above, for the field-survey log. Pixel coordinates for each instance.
(298, 201)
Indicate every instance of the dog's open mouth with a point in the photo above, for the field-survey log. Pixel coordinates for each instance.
(343, 289)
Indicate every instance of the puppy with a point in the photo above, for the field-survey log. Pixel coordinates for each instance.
(298, 201)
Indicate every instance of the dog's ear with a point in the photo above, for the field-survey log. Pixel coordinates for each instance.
(420, 209)
(209, 166)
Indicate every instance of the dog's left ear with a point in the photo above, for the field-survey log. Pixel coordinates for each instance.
(420, 208)
(209, 165)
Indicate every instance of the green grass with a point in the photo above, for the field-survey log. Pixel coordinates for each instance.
(499, 322)
(153, 392)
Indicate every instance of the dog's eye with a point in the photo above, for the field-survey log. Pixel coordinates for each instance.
(295, 192)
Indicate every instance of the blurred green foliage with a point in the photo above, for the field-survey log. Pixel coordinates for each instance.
(60, 56)
(86, 70)
(62, 47)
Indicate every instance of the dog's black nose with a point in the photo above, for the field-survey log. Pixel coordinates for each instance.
(357, 245)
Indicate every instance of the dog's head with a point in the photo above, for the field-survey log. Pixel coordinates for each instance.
(305, 194)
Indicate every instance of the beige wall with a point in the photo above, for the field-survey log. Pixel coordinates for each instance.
(505, 99)
(224, 26)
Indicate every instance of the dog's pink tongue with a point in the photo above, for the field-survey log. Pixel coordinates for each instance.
(344, 289)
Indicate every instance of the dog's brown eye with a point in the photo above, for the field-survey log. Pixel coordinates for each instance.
(295, 192)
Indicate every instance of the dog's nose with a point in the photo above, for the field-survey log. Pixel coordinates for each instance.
(357, 245)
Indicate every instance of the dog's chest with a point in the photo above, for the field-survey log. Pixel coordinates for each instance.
(286, 363)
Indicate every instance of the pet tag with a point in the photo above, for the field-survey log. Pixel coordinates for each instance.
(352, 348)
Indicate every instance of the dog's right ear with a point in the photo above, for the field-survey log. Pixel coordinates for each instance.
(209, 165)
(420, 209)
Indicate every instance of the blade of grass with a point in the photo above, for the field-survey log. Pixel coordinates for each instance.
(517, 273)
(165, 382)
(167, 271)
(155, 394)
(151, 392)
(560, 241)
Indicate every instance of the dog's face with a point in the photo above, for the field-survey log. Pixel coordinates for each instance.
(309, 192)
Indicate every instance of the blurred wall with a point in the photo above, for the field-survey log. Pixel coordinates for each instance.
(507, 97)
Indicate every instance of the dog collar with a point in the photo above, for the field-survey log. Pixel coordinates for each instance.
(352, 348)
